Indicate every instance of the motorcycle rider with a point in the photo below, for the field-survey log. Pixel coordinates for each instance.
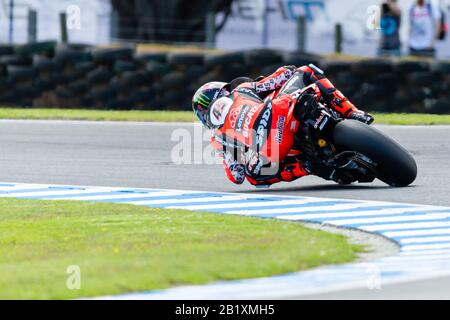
(253, 136)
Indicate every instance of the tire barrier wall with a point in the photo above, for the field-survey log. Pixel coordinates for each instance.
(73, 76)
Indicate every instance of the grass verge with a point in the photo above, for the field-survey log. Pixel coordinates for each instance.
(125, 248)
(412, 119)
(95, 115)
(185, 116)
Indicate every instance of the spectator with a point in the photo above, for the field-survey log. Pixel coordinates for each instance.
(390, 28)
(424, 29)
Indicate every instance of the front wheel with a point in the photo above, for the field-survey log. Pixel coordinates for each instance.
(395, 165)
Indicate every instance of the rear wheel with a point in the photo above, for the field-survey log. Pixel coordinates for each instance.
(395, 165)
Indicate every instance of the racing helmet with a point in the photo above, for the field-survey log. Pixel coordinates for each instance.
(205, 97)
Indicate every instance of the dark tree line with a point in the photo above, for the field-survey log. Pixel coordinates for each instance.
(167, 20)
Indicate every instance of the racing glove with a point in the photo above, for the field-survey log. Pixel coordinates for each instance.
(234, 170)
(362, 117)
(238, 173)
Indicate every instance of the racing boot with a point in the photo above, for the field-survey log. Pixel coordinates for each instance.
(341, 104)
(334, 97)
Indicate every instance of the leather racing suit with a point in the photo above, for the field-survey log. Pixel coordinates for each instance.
(256, 137)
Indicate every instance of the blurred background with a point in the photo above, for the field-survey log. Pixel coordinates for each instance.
(387, 56)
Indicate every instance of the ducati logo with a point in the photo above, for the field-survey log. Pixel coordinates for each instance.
(261, 131)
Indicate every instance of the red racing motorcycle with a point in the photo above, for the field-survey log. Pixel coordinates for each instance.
(354, 150)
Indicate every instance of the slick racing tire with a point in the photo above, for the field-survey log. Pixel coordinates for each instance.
(262, 58)
(371, 67)
(224, 59)
(395, 166)
(407, 67)
(111, 55)
(46, 47)
(160, 57)
(189, 59)
(6, 49)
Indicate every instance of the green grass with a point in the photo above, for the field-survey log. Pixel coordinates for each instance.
(412, 119)
(125, 248)
(184, 116)
(96, 115)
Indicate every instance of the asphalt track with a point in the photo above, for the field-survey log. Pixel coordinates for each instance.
(139, 155)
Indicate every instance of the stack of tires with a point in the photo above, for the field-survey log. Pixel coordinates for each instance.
(388, 86)
(175, 88)
(72, 65)
(50, 75)
(21, 71)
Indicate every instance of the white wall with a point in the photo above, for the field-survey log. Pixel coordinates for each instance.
(94, 18)
(242, 32)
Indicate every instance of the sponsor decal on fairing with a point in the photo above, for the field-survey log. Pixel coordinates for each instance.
(263, 126)
(280, 129)
(242, 116)
(219, 111)
(247, 121)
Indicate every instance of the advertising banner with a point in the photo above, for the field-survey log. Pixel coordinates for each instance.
(274, 24)
(88, 21)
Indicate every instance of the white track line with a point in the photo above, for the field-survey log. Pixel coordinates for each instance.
(426, 247)
(425, 244)
(55, 192)
(405, 226)
(399, 218)
(20, 188)
(299, 210)
(426, 239)
(363, 213)
(424, 252)
(125, 195)
(256, 204)
(406, 258)
(395, 234)
(191, 200)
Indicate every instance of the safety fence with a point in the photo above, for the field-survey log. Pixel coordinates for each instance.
(73, 76)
